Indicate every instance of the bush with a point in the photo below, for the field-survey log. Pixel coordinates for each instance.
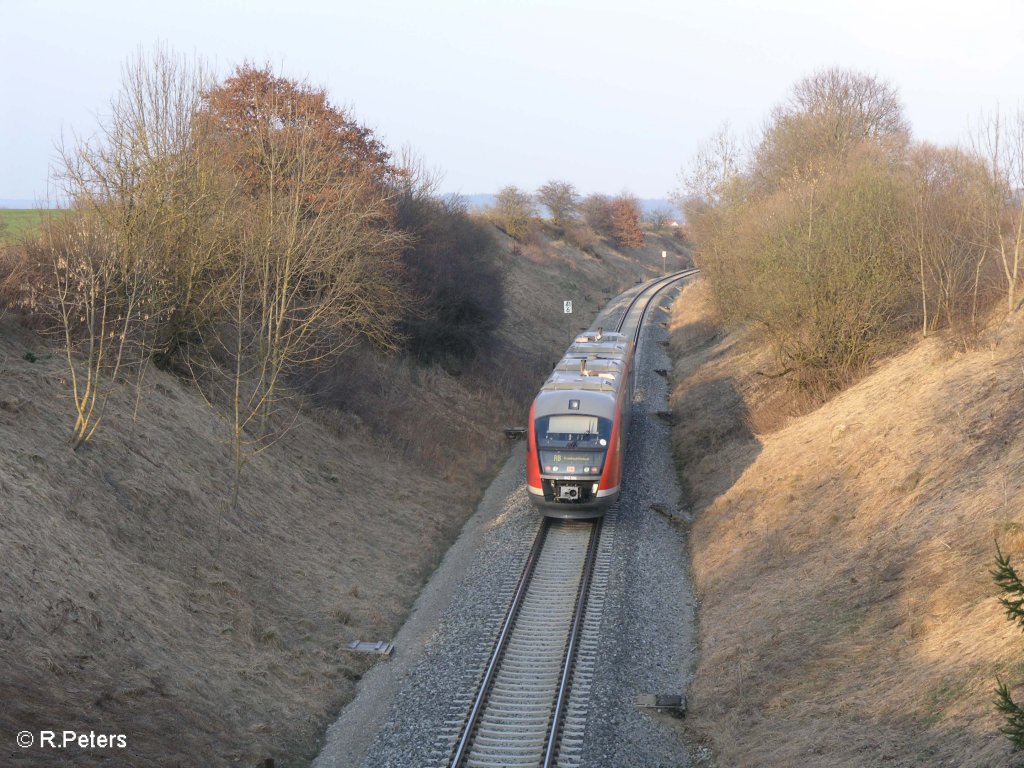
(454, 278)
(243, 228)
(841, 236)
(561, 200)
(581, 236)
(817, 271)
(597, 213)
(617, 218)
(514, 212)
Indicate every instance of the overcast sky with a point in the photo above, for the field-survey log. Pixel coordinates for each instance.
(609, 95)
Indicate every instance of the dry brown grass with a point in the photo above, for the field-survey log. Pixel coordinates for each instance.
(841, 560)
(131, 601)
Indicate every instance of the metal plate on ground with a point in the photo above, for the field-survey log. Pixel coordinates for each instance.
(660, 701)
(381, 647)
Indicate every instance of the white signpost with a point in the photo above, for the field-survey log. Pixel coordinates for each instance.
(664, 255)
(567, 307)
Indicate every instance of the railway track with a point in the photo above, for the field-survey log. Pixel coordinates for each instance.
(530, 706)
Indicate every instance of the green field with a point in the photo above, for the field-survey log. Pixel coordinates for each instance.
(15, 222)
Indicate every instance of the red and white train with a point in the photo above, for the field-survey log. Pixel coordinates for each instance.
(578, 427)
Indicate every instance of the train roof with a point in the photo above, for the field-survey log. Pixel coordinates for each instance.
(590, 373)
(594, 363)
(591, 365)
(594, 403)
(559, 381)
(599, 335)
(606, 348)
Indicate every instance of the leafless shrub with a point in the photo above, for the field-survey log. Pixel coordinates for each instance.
(658, 218)
(597, 213)
(561, 200)
(514, 212)
(999, 143)
(947, 238)
(103, 275)
(580, 235)
(821, 244)
(10, 259)
(451, 273)
(617, 218)
(315, 262)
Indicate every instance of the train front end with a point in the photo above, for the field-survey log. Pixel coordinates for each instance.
(574, 462)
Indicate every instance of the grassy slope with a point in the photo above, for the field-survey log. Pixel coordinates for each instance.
(131, 601)
(841, 560)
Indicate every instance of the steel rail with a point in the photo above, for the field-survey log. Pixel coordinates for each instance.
(661, 283)
(568, 662)
(469, 729)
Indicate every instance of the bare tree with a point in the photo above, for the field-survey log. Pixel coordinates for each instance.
(945, 233)
(659, 218)
(102, 272)
(826, 116)
(514, 211)
(597, 212)
(316, 257)
(713, 180)
(999, 141)
(561, 199)
(716, 165)
(852, 105)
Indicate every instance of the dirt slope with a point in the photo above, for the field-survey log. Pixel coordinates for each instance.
(841, 561)
(132, 603)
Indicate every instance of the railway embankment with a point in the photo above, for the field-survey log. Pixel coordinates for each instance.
(841, 553)
(133, 601)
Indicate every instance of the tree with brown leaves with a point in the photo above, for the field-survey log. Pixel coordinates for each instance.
(316, 256)
(625, 210)
(254, 103)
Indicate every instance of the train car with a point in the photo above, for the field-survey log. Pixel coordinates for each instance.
(578, 427)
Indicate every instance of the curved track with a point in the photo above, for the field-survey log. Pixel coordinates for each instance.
(521, 714)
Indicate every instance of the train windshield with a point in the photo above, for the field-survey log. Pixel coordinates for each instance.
(572, 431)
(573, 445)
